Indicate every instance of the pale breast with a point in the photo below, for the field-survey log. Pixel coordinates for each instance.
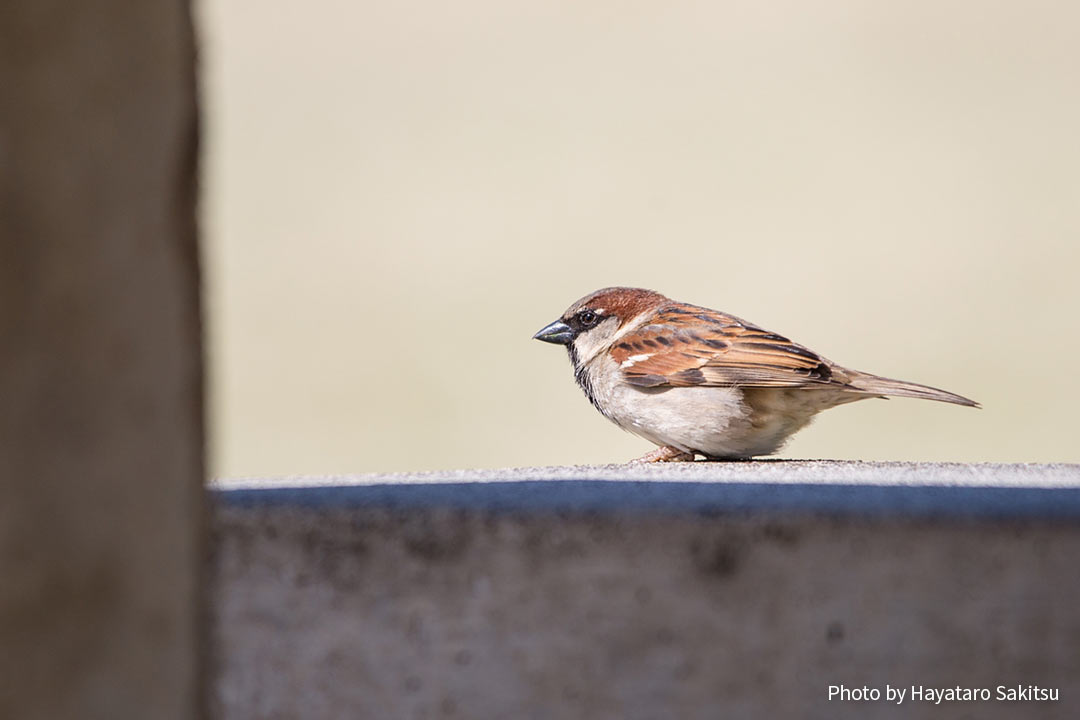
(707, 420)
(719, 422)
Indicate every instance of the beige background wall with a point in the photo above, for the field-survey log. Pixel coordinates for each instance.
(398, 195)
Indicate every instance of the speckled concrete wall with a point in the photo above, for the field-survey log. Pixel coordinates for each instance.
(101, 448)
(645, 599)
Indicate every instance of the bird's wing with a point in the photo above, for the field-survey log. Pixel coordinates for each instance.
(686, 345)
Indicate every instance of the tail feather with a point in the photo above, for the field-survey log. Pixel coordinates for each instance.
(877, 385)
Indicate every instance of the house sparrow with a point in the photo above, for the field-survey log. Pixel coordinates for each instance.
(700, 382)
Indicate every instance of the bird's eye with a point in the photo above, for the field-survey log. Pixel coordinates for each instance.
(587, 317)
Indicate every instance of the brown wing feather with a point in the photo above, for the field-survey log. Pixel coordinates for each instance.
(688, 345)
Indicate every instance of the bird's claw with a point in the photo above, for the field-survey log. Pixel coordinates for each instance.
(666, 453)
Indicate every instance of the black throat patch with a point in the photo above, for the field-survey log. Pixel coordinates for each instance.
(581, 375)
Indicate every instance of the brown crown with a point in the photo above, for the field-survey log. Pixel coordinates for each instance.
(623, 302)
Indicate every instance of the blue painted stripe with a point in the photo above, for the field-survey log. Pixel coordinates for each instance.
(676, 497)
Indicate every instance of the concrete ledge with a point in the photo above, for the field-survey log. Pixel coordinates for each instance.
(831, 488)
(704, 590)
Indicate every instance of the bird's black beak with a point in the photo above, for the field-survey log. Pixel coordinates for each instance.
(557, 332)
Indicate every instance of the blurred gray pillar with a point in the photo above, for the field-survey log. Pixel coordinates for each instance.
(100, 362)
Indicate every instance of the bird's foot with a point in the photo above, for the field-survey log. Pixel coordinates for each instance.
(666, 453)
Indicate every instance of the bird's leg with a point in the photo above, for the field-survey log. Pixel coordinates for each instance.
(666, 453)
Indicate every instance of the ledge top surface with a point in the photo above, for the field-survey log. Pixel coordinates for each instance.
(818, 472)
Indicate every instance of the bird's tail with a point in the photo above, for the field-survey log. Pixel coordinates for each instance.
(876, 385)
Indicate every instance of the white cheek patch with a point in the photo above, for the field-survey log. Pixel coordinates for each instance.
(628, 362)
(590, 343)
